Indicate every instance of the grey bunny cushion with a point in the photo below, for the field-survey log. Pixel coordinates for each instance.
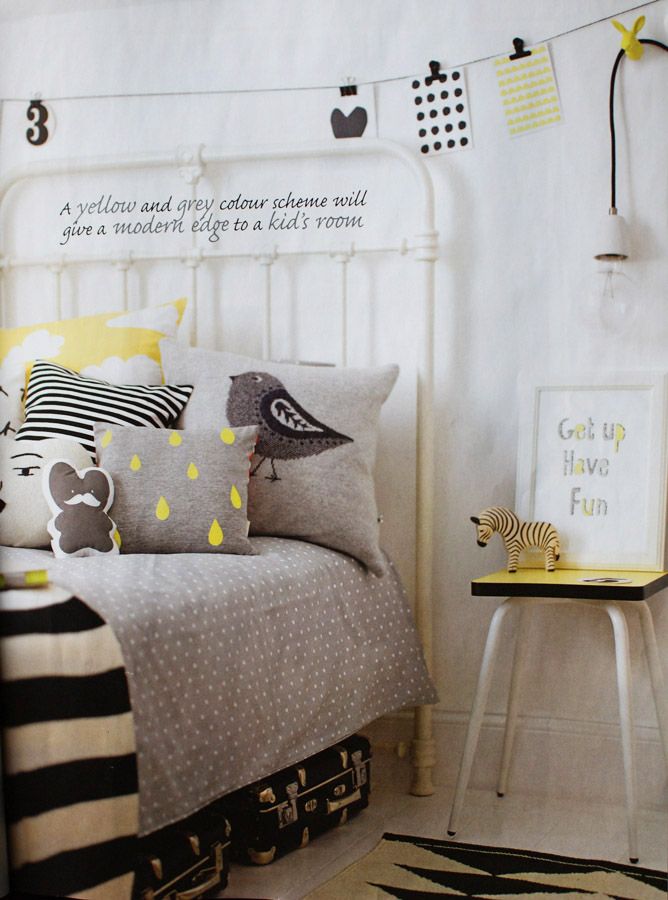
(79, 501)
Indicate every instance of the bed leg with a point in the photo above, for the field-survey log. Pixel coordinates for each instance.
(423, 753)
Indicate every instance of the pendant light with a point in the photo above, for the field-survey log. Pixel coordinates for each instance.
(614, 292)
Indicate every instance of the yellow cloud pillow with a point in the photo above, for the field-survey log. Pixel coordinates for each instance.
(123, 348)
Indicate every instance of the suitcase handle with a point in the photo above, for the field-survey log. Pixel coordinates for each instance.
(198, 890)
(333, 805)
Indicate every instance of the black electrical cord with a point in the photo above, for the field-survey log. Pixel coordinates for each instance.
(613, 148)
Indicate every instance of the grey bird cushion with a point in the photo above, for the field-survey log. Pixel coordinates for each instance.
(176, 491)
(313, 465)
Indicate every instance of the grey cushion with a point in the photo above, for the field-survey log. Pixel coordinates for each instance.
(313, 468)
(179, 492)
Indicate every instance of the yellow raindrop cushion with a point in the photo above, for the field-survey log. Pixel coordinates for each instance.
(179, 491)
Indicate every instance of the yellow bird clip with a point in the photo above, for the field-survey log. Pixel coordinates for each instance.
(630, 43)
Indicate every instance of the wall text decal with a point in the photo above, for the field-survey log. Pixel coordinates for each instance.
(211, 217)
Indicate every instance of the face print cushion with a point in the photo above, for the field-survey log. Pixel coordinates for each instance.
(24, 511)
(79, 502)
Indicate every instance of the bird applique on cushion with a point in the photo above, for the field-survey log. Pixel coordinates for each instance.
(287, 430)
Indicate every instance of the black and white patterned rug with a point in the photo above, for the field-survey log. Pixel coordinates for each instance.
(412, 868)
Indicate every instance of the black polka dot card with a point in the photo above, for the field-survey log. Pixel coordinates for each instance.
(441, 111)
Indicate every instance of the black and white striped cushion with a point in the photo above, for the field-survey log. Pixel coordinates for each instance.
(62, 403)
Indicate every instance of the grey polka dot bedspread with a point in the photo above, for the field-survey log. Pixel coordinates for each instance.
(241, 665)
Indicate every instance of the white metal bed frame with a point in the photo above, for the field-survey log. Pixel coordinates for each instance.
(423, 248)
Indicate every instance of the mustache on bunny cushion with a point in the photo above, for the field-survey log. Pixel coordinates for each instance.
(89, 499)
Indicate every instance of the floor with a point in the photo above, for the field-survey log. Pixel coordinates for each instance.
(567, 827)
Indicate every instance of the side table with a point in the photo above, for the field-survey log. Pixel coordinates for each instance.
(614, 593)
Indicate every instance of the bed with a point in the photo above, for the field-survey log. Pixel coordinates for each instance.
(217, 669)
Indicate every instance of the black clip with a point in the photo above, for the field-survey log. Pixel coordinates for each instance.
(349, 89)
(436, 74)
(520, 52)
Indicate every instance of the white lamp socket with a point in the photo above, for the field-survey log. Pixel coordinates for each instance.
(612, 242)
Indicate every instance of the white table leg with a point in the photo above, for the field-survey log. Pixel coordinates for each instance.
(477, 712)
(623, 660)
(519, 655)
(656, 674)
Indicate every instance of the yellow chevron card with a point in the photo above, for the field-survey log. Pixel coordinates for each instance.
(528, 91)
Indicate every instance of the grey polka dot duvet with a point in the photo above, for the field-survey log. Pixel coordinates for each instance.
(241, 665)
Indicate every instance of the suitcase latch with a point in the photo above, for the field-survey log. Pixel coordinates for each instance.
(343, 753)
(359, 767)
(267, 796)
(156, 865)
(194, 844)
(287, 811)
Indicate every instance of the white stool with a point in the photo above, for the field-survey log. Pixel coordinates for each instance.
(532, 587)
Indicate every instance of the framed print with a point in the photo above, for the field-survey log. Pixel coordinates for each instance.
(592, 460)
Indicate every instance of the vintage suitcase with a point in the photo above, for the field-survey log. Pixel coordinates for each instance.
(185, 861)
(286, 810)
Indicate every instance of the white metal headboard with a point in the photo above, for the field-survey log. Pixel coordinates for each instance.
(422, 247)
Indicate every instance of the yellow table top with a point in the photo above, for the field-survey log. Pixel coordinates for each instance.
(589, 584)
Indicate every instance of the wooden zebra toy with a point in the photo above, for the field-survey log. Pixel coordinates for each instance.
(517, 535)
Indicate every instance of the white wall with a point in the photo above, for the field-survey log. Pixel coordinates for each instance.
(516, 219)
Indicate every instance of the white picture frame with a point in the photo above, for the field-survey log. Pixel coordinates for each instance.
(592, 461)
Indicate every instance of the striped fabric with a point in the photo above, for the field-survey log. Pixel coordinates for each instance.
(70, 785)
(62, 403)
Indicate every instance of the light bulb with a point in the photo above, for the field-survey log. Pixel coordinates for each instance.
(612, 300)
